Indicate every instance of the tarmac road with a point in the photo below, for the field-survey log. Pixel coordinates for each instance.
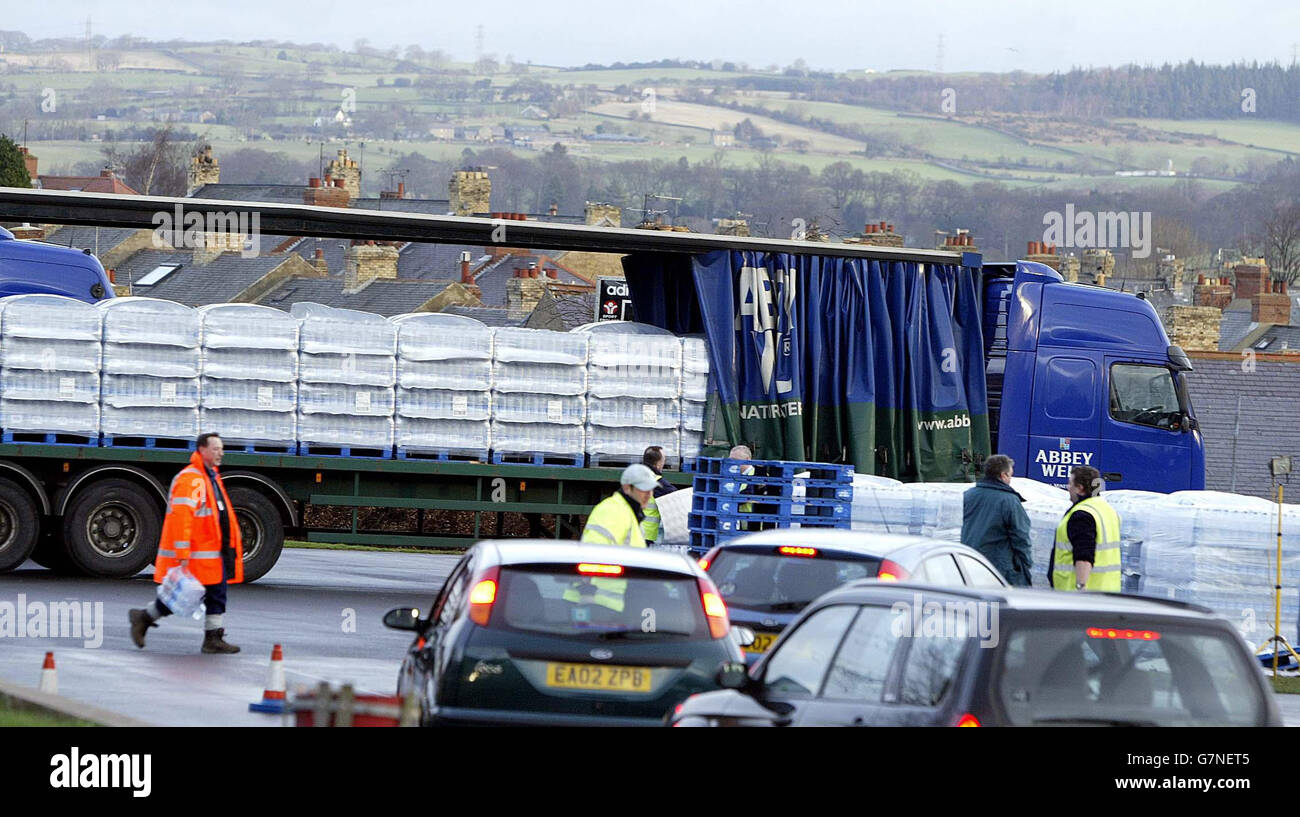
(323, 606)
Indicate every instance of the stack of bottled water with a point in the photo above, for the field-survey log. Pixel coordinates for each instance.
(634, 374)
(49, 366)
(695, 393)
(347, 373)
(248, 375)
(444, 385)
(539, 380)
(150, 369)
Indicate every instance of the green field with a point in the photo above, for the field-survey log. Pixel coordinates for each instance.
(1259, 133)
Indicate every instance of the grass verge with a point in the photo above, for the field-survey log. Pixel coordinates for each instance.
(11, 716)
(1290, 686)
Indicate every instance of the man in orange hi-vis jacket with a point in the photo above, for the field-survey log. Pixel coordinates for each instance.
(200, 533)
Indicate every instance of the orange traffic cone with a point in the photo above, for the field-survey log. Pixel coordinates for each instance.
(273, 696)
(49, 676)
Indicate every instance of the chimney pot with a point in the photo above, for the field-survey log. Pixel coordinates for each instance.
(553, 274)
(320, 253)
(401, 190)
(313, 182)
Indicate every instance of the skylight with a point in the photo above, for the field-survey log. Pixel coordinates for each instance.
(157, 274)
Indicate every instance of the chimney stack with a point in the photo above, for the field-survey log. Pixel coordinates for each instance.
(466, 277)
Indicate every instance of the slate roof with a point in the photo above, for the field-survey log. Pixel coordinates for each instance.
(383, 297)
(492, 316)
(272, 193)
(218, 281)
(1269, 338)
(1233, 326)
(493, 279)
(95, 239)
(1243, 421)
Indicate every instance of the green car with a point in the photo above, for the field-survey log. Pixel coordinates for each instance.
(547, 633)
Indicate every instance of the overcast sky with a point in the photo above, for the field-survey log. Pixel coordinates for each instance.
(989, 35)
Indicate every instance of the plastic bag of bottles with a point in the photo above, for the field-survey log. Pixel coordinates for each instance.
(182, 593)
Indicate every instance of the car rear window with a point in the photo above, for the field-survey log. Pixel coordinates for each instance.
(1158, 675)
(773, 582)
(562, 601)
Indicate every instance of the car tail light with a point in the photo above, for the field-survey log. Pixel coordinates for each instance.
(1128, 635)
(968, 720)
(708, 558)
(600, 570)
(892, 572)
(483, 596)
(714, 609)
(790, 550)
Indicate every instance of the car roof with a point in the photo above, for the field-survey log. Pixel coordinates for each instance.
(506, 552)
(1028, 599)
(859, 542)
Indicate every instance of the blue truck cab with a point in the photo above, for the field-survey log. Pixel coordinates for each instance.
(39, 267)
(1084, 375)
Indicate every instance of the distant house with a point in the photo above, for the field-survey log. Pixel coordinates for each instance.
(445, 132)
(534, 112)
(722, 139)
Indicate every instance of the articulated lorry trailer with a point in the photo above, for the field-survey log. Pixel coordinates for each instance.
(914, 364)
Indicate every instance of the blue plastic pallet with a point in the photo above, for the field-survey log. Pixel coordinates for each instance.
(442, 454)
(354, 451)
(129, 441)
(48, 438)
(769, 506)
(526, 458)
(732, 525)
(779, 469)
(812, 489)
(258, 447)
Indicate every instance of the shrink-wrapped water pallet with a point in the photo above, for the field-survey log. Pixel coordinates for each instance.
(149, 395)
(248, 376)
(50, 349)
(634, 376)
(444, 383)
(539, 383)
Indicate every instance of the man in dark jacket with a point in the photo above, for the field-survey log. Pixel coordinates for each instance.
(654, 459)
(995, 524)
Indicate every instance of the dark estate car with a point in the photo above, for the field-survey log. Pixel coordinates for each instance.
(767, 578)
(539, 632)
(884, 654)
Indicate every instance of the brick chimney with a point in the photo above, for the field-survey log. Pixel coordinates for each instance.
(961, 241)
(1194, 327)
(346, 171)
(325, 195)
(733, 226)
(553, 210)
(880, 234)
(598, 214)
(27, 231)
(466, 276)
(204, 169)
(1272, 307)
(367, 262)
(29, 161)
(1097, 266)
(1212, 291)
(523, 292)
(1250, 278)
(318, 262)
(470, 192)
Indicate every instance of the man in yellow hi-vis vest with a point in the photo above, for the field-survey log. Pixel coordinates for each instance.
(654, 459)
(1086, 553)
(616, 521)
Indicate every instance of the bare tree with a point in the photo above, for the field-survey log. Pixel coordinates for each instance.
(1281, 243)
(156, 168)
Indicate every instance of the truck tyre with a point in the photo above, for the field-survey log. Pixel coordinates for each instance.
(260, 528)
(51, 553)
(20, 525)
(112, 527)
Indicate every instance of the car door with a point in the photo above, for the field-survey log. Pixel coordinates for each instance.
(792, 675)
(941, 570)
(431, 656)
(861, 686)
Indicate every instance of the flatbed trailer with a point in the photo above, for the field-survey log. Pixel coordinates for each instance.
(99, 510)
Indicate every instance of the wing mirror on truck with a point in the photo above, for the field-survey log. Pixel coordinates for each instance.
(1179, 359)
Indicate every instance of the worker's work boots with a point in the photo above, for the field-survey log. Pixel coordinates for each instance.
(214, 641)
(140, 624)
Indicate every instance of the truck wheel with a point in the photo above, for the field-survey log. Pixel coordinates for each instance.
(20, 525)
(260, 528)
(50, 553)
(112, 527)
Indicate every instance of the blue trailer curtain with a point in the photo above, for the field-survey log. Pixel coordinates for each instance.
(877, 363)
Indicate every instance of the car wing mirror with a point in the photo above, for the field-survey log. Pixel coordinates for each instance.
(402, 618)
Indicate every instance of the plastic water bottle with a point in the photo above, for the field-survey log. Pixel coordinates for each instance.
(182, 593)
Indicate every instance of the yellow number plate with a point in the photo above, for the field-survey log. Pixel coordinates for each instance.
(762, 642)
(598, 677)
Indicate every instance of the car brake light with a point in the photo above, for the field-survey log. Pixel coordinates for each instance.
(714, 609)
(482, 597)
(788, 550)
(968, 720)
(892, 572)
(601, 570)
(1129, 635)
(708, 559)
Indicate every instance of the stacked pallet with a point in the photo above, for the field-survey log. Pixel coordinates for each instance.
(634, 375)
(248, 377)
(150, 390)
(444, 387)
(49, 369)
(347, 377)
(695, 393)
(539, 383)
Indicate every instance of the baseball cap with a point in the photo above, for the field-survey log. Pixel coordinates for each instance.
(640, 477)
